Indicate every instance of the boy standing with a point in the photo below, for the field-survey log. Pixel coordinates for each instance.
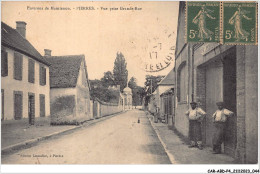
(195, 116)
(219, 120)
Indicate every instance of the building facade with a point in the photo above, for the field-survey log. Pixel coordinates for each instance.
(210, 72)
(156, 100)
(25, 86)
(69, 95)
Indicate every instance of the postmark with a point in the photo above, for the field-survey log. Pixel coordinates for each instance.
(159, 52)
(239, 23)
(202, 21)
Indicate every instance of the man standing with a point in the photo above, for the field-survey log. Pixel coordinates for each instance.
(195, 116)
(219, 120)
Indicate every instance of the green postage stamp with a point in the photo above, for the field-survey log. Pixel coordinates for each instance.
(203, 21)
(240, 22)
(221, 22)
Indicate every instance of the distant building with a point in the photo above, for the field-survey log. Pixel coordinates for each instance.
(210, 72)
(165, 84)
(69, 86)
(25, 84)
(128, 98)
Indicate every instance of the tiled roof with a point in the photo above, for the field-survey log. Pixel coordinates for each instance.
(12, 39)
(168, 79)
(64, 70)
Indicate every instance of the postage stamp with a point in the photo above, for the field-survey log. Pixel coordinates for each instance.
(239, 22)
(202, 21)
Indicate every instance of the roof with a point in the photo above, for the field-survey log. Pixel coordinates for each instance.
(169, 91)
(127, 89)
(12, 39)
(64, 70)
(168, 79)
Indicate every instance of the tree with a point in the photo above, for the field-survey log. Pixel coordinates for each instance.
(108, 79)
(120, 72)
(132, 83)
(151, 83)
(137, 91)
(103, 93)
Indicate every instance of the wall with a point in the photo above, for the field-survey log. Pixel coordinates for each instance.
(104, 109)
(58, 97)
(9, 85)
(83, 95)
(251, 100)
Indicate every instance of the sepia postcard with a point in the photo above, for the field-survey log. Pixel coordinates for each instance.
(149, 85)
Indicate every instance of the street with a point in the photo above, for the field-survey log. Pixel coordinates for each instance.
(117, 140)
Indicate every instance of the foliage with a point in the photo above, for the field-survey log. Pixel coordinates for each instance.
(138, 92)
(120, 72)
(103, 93)
(151, 83)
(132, 83)
(108, 79)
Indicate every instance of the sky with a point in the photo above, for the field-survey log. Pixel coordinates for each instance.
(99, 34)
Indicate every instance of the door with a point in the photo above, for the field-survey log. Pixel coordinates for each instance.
(18, 105)
(31, 109)
(229, 71)
(42, 105)
(214, 93)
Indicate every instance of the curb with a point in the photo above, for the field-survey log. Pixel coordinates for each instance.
(171, 157)
(29, 143)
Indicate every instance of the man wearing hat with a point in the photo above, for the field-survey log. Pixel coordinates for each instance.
(219, 120)
(195, 116)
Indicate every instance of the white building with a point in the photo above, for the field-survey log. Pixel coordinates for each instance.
(25, 86)
(128, 98)
(69, 85)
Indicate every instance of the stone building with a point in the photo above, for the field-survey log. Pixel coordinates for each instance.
(210, 72)
(25, 87)
(69, 95)
(128, 98)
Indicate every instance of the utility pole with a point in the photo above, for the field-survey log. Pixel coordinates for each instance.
(151, 81)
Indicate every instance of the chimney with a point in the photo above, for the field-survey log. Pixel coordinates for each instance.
(21, 28)
(47, 52)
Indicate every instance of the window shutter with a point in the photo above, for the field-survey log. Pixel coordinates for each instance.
(4, 63)
(42, 75)
(18, 105)
(42, 105)
(18, 66)
(31, 72)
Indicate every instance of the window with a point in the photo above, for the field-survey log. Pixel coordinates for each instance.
(42, 75)
(4, 63)
(18, 105)
(181, 83)
(42, 105)
(31, 67)
(18, 66)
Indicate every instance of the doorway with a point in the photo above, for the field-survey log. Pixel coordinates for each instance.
(214, 93)
(31, 108)
(229, 98)
(18, 105)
